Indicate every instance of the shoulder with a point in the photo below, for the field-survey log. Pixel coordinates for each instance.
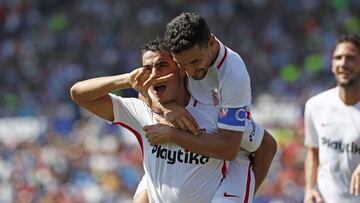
(133, 100)
(233, 67)
(321, 98)
(130, 103)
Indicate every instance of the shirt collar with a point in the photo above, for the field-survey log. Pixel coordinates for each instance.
(221, 56)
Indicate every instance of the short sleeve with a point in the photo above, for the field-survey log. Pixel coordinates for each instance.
(235, 85)
(311, 136)
(235, 94)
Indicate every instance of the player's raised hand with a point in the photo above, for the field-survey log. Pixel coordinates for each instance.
(137, 79)
(312, 196)
(141, 79)
(180, 118)
(158, 133)
(355, 182)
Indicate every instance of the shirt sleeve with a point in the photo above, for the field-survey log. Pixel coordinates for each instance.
(235, 85)
(235, 94)
(232, 118)
(131, 111)
(311, 135)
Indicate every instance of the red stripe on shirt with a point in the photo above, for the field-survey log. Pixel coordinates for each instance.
(136, 133)
(248, 185)
(224, 169)
(223, 59)
(248, 115)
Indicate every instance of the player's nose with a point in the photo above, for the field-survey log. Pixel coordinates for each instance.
(155, 72)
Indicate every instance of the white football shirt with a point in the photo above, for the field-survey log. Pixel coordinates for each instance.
(173, 173)
(227, 85)
(334, 128)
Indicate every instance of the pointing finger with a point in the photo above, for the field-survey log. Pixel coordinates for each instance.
(150, 80)
(163, 78)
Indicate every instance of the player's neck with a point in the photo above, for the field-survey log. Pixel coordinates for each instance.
(350, 95)
(215, 52)
(183, 97)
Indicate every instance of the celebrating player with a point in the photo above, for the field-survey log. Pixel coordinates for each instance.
(173, 174)
(218, 77)
(332, 131)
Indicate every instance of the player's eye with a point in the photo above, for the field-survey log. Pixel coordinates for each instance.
(194, 62)
(148, 67)
(337, 57)
(163, 64)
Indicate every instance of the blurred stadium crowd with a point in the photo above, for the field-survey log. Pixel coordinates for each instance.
(51, 151)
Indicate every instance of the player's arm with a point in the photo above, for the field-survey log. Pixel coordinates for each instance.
(253, 139)
(263, 157)
(236, 91)
(311, 166)
(311, 163)
(355, 181)
(223, 145)
(93, 94)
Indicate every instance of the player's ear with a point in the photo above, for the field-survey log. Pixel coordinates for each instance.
(212, 41)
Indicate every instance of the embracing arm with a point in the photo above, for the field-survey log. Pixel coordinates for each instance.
(263, 157)
(223, 145)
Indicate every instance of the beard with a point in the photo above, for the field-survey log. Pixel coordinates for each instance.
(349, 83)
(200, 74)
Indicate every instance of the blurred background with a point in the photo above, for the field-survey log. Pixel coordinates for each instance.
(52, 151)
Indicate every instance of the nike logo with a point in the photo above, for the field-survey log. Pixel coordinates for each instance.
(228, 195)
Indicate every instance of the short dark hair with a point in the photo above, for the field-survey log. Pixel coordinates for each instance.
(354, 39)
(185, 31)
(156, 45)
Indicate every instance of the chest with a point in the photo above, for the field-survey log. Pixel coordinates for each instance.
(338, 125)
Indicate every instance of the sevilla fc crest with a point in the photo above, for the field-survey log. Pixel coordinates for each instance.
(215, 97)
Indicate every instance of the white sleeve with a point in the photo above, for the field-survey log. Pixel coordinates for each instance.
(252, 136)
(131, 111)
(235, 85)
(311, 136)
(235, 94)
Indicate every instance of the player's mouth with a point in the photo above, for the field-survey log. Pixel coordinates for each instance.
(159, 89)
(345, 74)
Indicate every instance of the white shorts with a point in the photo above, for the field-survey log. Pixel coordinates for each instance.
(238, 184)
(142, 186)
